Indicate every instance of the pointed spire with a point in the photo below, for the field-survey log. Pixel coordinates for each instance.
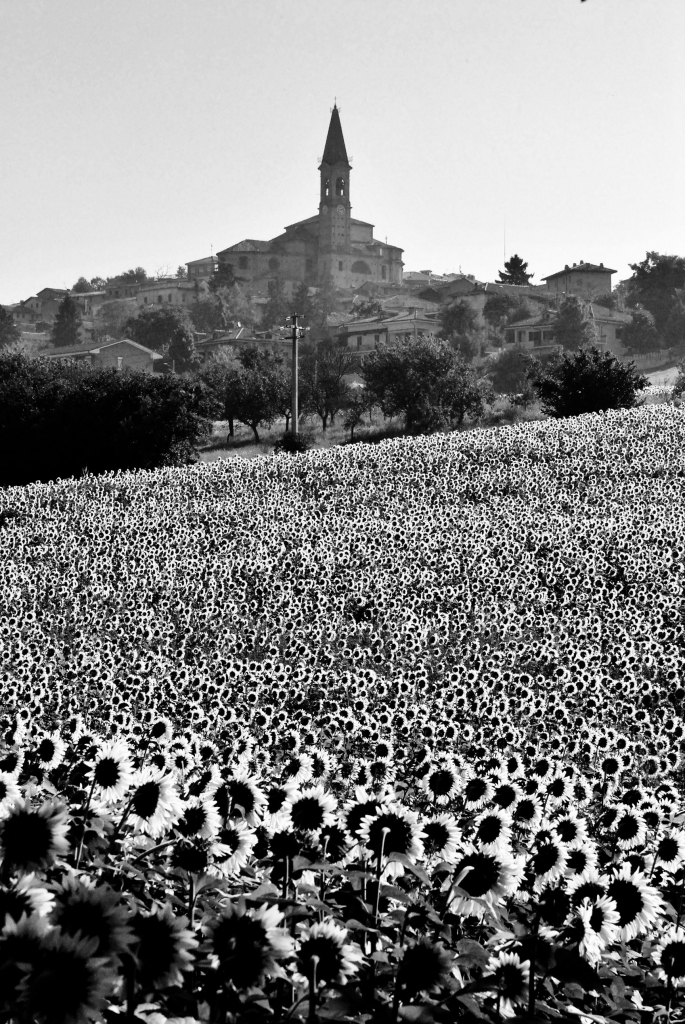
(334, 150)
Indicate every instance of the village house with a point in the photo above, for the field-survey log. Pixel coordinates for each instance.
(365, 335)
(202, 269)
(586, 280)
(331, 242)
(538, 333)
(172, 291)
(114, 354)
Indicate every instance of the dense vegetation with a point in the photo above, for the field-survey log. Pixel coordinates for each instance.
(388, 733)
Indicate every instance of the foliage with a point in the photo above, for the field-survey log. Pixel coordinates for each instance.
(220, 375)
(168, 330)
(262, 389)
(137, 275)
(277, 308)
(65, 329)
(515, 271)
(368, 309)
(111, 319)
(674, 329)
(9, 331)
(608, 300)
(302, 303)
(586, 381)
(60, 419)
(323, 304)
(182, 272)
(654, 283)
(358, 404)
(82, 285)
(208, 314)
(424, 380)
(292, 444)
(572, 325)
(322, 372)
(640, 334)
(509, 372)
(459, 326)
(223, 277)
(409, 717)
(501, 308)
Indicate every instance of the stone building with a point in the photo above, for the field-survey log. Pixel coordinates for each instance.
(332, 241)
(113, 354)
(586, 280)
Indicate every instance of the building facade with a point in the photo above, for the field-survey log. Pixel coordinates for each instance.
(586, 280)
(171, 291)
(331, 242)
(113, 354)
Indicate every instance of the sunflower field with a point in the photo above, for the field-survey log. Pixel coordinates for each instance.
(378, 733)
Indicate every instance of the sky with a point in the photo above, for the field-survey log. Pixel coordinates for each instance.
(152, 132)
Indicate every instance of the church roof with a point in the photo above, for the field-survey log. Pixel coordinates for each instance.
(249, 245)
(334, 150)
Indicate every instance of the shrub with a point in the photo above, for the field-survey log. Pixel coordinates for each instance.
(60, 419)
(290, 443)
(586, 381)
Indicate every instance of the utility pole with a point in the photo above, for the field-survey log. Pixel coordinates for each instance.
(296, 333)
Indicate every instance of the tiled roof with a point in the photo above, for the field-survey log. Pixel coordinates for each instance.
(585, 267)
(334, 151)
(248, 245)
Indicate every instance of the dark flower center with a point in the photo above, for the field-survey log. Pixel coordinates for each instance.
(628, 899)
(490, 829)
(673, 959)
(146, 799)
(505, 795)
(26, 838)
(156, 949)
(330, 958)
(475, 790)
(307, 813)
(567, 831)
(107, 772)
(483, 876)
(437, 836)
(441, 782)
(242, 948)
(546, 858)
(628, 827)
(667, 849)
(357, 813)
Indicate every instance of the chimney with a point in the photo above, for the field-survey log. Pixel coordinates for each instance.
(574, 264)
(566, 267)
(601, 264)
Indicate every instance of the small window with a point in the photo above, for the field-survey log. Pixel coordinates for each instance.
(384, 272)
(521, 336)
(510, 337)
(160, 298)
(243, 262)
(535, 337)
(340, 264)
(359, 342)
(340, 187)
(145, 299)
(619, 333)
(327, 186)
(376, 337)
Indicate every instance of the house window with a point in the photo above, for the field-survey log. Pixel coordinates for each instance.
(340, 186)
(145, 299)
(535, 337)
(384, 272)
(510, 337)
(160, 298)
(243, 262)
(619, 333)
(376, 337)
(340, 265)
(359, 341)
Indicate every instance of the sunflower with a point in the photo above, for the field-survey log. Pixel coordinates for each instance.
(21, 944)
(670, 850)
(511, 978)
(394, 829)
(581, 864)
(50, 751)
(442, 782)
(9, 792)
(232, 849)
(200, 818)
(638, 903)
(527, 813)
(298, 768)
(66, 983)
(630, 829)
(571, 831)
(33, 839)
(25, 895)
(506, 794)
(324, 957)
(492, 830)
(477, 792)
(112, 769)
(441, 837)
(357, 809)
(424, 967)
(163, 948)
(154, 804)
(669, 954)
(241, 795)
(312, 809)
(599, 920)
(483, 878)
(547, 863)
(247, 944)
(277, 807)
(93, 912)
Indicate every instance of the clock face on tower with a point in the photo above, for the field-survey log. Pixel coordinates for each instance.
(324, 209)
(341, 209)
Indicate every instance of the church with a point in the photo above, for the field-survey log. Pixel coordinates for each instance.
(332, 241)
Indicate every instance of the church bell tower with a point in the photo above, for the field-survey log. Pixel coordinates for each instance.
(334, 203)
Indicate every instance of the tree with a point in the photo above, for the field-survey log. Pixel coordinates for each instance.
(322, 306)
(111, 318)
(221, 376)
(458, 326)
(166, 329)
(654, 283)
(608, 300)
(61, 418)
(208, 314)
(508, 372)
(223, 277)
(586, 381)
(97, 284)
(674, 330)
(424, 380)
(67, 323)
(323, 368)
(501, 309)
(9, 332)
(356, 407)
(571, 325)
(262, 389)
(137, 275)
(515, 272)
(368, 309)
(277, 307)
(640, 334)
(302, 303)
(82, 285)
(181, 272)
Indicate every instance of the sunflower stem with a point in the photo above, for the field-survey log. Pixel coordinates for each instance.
(311, 1017)
(84, 812)
(531, 978)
